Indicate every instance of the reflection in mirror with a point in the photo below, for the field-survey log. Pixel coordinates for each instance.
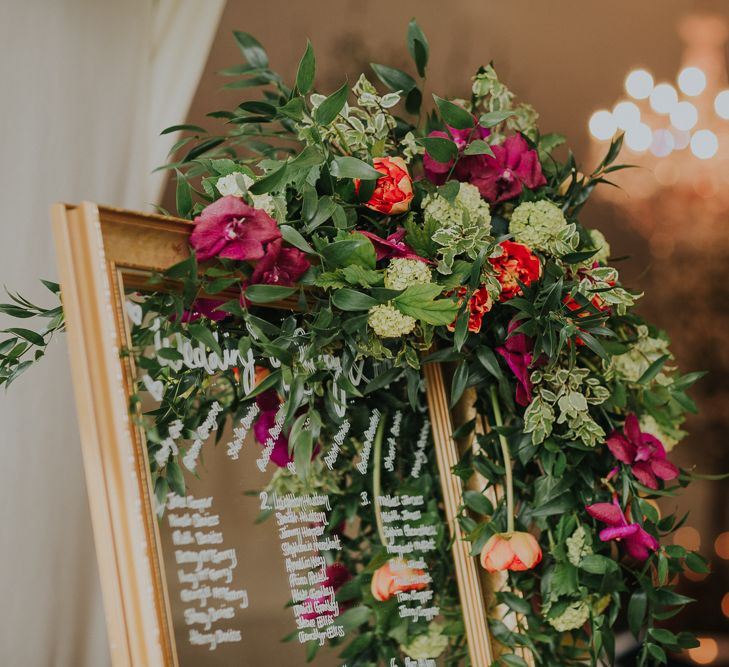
(290, 517)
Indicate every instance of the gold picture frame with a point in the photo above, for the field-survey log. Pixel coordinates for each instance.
(101, 253)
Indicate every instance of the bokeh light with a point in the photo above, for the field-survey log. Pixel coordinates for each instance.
(626, 115)
(721, 545)
(602, 125)
(663, 143)
(684, 116)
(639, 84)
(725, 605)
(721, 104)
(706, 652)
(663, 98)
(639, 137)
(704, 144)
(687, 537)
(692, 81)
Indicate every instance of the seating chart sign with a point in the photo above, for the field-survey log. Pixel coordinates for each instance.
(256, 498)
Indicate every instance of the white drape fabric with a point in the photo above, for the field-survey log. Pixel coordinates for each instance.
(85, 88)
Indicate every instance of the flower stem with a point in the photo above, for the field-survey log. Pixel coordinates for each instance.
(377, 477)
(509, 480)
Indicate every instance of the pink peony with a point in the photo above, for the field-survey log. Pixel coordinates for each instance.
(638, 543)
(643, 452)
(503, 176)
(279, 265)
(231, 229)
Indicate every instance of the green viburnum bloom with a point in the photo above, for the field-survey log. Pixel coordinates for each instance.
(402, 273)
(427, 646)
(388, 322)
(463, 225)
(631, 365)
(541, 225)
(575, 616)
(577, 546)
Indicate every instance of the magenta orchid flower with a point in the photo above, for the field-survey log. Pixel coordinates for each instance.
(393, 246)
(230, 228)
(638, 543)
(513, 166)
(280, 266)
(268, 402)
(517, 351)
(437, 172)
(203, 308)
(643, 452)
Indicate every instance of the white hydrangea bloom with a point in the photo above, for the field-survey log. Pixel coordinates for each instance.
(388, 322)
(577, 546)
(575, 616)
(401, 273)
(541, 225)
(230, 185)
(427, 646)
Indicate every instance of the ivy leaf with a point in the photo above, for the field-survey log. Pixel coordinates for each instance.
(351, 300)
(306, 71)
(270, 181)
(419, 302)
(489, 361)
(478, 147)
(417, 46)
(454, 115)
(294, 237)
(459, 382)
(203, 335)
(268, 293)
(636, 612)
(183, 195)
(477, 502)
(494, 118)
(439, 148)
(394, 79)
(352, 167)
(251, 48)
(175, 478)
(653, 369)
(329, 109)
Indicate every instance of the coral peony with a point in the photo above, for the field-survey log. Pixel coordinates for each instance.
(517, 264)
(515, 551)
(393, 191)
(396, 577)
(479, 304)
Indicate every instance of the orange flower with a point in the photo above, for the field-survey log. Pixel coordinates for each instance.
(396, 577)
(479, 304)
(516, 264)
(515, 551)
(394, 190)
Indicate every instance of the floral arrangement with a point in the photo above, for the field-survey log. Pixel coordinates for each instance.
(401, 237)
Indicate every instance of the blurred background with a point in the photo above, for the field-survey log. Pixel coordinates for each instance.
(72, 78)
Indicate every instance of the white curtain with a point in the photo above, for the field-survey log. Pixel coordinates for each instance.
(85, 88)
